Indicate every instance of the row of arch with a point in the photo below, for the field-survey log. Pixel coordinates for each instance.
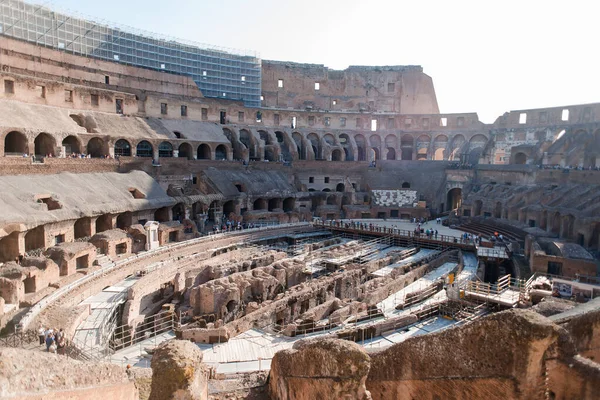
(16, 143)
(351, 147)
(561, 225)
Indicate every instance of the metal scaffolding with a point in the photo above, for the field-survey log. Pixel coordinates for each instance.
(218, 72)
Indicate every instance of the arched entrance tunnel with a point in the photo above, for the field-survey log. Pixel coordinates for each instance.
(454, 199)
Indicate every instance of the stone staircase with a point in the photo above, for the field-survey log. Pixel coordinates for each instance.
(103, 261)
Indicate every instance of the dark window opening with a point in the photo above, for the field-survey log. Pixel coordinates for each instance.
(326, 179)
(107, 79)
(311, 179)
(554, 268)
(223, 117)
(136, 194)
(163, 108)
(58, 239)
(9, 87)
(94, 99)
(121, 248)
(204, 114)
(183, 110)
(69, 96)
(119, 106)
(51, 203)
(82, 262)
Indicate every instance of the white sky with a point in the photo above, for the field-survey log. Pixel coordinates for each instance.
(487, 57)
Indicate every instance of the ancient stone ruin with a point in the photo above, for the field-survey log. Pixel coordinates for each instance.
(284, 231)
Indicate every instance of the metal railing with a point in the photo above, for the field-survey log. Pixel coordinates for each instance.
(123, 336)
(365, 228)
(42, 304)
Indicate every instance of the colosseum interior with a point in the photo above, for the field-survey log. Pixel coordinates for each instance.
(279, 242)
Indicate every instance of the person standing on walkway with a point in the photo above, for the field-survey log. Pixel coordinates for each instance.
(42, 334)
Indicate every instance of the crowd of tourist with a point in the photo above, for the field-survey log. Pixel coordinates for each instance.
(53, 339)
(569, 167)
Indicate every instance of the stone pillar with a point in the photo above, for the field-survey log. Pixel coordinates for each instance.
(320, 369)
(178, 372)
(152, 241)
(93, 226)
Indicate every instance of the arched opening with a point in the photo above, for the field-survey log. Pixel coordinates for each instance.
(9, 247)
(185, 151)
(520, 158)
(423, 143)
(475, 155)
(331, 201)
(35, 239)
(391, 154)
(82, 228)
(454, 199)
(259, 204)
(274, 204)
(212, 211)
(104, 223)
(165, 150)
(162, 214)
(347, 146)
(568, 222)
(178, 212)
(498, 210)
(361, 147)
(221, 152)
(405, 185)
(71, 145)
(327, 190)
(124, 220)
(439, 144)
(264, 136)
(543, 224)
(315, 144)
(15, 143)
(455, 148)
(95, 148)
(122, 148)
(336, 155)
(407, 143)
(289, 204)
(279, 136)
(477, 206)
(45, 145)
(228, 208)
(340, 187)
(299, 145)
(439, 154)
(203, 152)
(232, 306)
(556, 223)
(362, 154)
(374, 154)
(144, 149)
(595, 238)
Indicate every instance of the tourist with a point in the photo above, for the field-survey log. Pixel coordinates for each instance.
(60, 344)
(49, 341)
(42, 334)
